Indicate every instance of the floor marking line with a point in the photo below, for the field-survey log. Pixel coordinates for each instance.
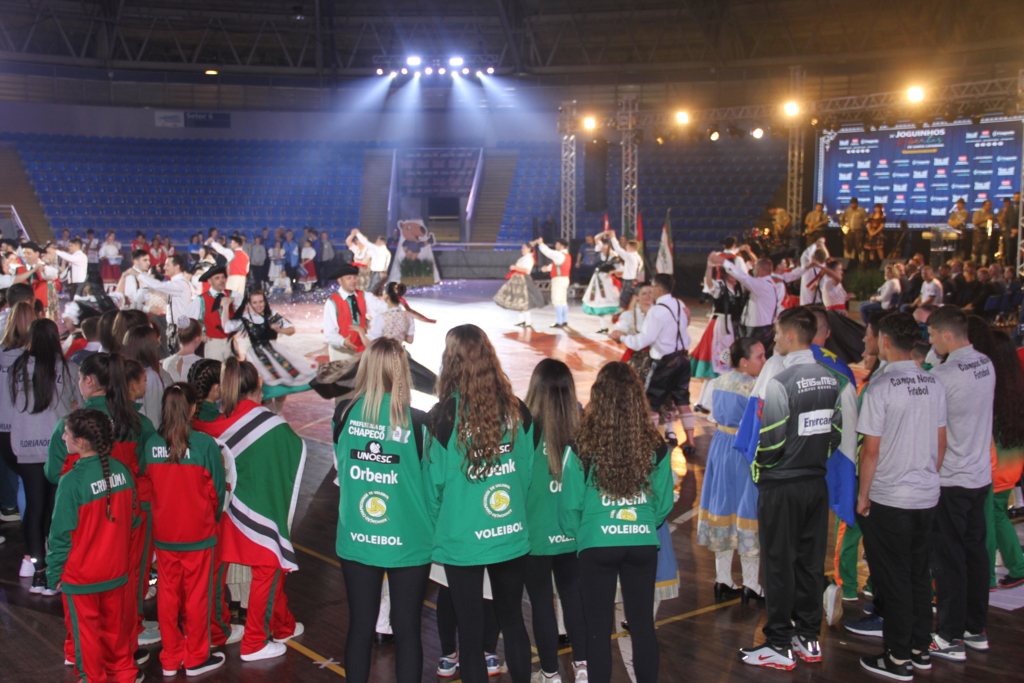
(315, 657)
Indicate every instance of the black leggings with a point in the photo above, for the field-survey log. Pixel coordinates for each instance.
(35, 519)
(545, 626)
(446, 624)
(635, 566)
(362, 586)
(467, 588)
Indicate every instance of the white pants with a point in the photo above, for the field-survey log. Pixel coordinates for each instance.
(559, 291)
(236, 284)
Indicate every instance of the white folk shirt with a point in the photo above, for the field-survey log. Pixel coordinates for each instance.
(332, 334)
(79, 262)
(631, 321)
(630, 261)
(380, 257)
(393, 323)
(111, 252)
(178, 291)
(931, 292)
(525, 264)
(833, 294)
(763, 304)
(886, 292)
(662, 329)
(557, 257)
(135, 293)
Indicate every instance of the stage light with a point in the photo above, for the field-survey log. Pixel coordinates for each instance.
(791, 108)
(394, 74)
(682, 117)
(465, 71)
(456, 61)
(211, 72)
(915, 94)
(414, 61)
(416, 75)
(380, 72)
(757, 133)
(659, 138)
(490, 69)
(428, 71)
(441, 71)
(589, 123)
(479, 74)
(404, 71)
(713, 133)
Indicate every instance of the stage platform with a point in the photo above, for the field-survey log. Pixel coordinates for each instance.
(698, 638)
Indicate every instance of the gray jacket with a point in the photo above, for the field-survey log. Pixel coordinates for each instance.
(31, 433)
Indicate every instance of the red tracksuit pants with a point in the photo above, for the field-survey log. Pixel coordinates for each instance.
(183, 606)
(135, 590)
(268, 615)
(220, 614)
(100, 636)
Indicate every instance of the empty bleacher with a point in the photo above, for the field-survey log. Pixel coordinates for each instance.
(713, 189)
(179, 187)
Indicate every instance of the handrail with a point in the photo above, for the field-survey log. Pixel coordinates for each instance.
(4, 209)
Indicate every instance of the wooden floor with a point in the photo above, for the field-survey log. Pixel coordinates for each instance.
(698, 638)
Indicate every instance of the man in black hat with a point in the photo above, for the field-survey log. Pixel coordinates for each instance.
(212, 309)
(345, 314)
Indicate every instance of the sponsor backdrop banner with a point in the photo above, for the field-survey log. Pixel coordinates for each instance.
(917, 175)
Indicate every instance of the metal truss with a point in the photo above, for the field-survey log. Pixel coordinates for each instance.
(795, 158)
(566, 117)
(631, 137)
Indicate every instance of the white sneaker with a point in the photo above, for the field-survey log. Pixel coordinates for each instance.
(768, 656)
(237, 631)
(833, 602)
(579, 672)
(269, 651)
(68, 662)
(541, 677)
(299, 630)
(150, 634)
(168, 672)
(28, 568)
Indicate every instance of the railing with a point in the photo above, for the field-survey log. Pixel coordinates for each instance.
(7, 211)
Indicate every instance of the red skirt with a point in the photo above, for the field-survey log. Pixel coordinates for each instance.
(111, 272)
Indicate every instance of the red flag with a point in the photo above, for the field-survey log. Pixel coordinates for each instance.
(607, 227)
(639, 228)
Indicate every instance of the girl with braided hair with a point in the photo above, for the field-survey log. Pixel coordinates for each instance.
(204, 376)
(89, 549)
(266, 458)
(188, 495)
(41, 390)
(104, 385)
(616, 492)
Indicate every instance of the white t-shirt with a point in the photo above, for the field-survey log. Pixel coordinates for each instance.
(931, 292)
(886, 292)
(905, 406)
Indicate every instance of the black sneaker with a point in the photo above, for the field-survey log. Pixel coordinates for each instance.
(141, 656)
(921, 660)
(215, 661)
(9, 515)
(884, 666)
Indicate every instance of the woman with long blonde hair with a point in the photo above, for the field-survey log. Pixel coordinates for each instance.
(379, 447)
(480, 457)
(616, 492)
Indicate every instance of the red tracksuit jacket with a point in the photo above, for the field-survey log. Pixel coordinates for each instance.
(88, 552)
(188, 496)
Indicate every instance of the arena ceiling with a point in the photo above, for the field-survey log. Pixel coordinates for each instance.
(846, 47)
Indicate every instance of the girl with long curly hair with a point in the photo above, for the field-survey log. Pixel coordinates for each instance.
(616, 492)
(477, 475)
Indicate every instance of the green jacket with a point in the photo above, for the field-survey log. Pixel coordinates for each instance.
(546, 537)
(382, 512)
(479, 521)
(597, 521)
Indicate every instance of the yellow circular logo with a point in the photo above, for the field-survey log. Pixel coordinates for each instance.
(373, 507)
(498, 501)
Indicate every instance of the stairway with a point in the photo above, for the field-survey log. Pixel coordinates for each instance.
(376, 188)
(499, 167)
(15, 189)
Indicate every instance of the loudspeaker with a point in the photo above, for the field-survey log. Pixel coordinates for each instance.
(595, 175)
